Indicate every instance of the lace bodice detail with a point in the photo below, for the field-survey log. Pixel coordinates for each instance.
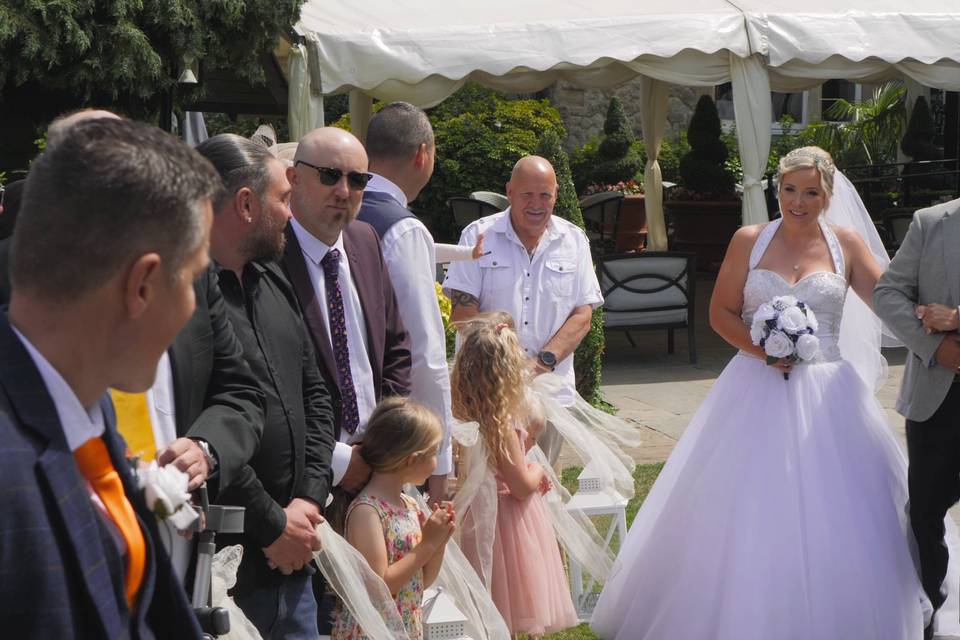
(822, 291)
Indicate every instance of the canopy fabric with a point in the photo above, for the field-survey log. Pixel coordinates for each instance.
(422, 51)
(368, 45)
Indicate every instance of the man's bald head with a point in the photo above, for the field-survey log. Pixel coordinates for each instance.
(59, 127)
(319, 145)
(324, 209)
(533, 166)
(532, 192)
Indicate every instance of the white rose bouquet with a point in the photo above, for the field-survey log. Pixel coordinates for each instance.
(784, 328)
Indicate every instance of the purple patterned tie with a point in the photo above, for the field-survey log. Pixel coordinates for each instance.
(338, 338)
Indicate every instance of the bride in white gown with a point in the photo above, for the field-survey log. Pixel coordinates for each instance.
(781, 513)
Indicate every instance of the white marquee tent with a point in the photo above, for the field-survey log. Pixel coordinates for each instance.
(422, 51)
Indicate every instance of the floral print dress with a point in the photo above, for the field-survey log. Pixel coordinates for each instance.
(401, 533)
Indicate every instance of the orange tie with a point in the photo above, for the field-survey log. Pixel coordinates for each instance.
(93, 462)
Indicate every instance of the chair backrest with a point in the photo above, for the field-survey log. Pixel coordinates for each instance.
(897, 224)
(601, 212)
(647, 287)
(466, 210)
(492, 197)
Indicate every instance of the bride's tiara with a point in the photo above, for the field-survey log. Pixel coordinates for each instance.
(821, 160)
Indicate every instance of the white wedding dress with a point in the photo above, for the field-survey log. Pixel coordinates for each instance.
(781, 512)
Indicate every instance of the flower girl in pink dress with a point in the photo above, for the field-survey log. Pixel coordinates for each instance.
(402, 545)
(523, 569)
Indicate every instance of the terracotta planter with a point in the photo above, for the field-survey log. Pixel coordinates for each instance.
(632, 224)
(704, 227)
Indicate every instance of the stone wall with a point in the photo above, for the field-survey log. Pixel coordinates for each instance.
(583, 110)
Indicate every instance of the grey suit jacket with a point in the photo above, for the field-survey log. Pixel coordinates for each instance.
(925, 270)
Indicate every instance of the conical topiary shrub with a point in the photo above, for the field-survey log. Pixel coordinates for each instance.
(587, 358)
(702, 169)
(617, 159)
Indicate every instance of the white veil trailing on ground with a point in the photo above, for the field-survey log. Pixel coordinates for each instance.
(861, 331)
(592, 435)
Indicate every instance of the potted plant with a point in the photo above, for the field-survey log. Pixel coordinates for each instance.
(704, 210)
(615, 165)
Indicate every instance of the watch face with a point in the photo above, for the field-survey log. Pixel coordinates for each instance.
(548, 358)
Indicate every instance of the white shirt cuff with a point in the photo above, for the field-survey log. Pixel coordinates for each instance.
(444, 462)
(340, 461)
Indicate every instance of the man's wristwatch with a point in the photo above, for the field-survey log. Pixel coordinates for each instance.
(548, 359)
(207, 455)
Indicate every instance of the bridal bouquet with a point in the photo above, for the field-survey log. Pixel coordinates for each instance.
(784, 328)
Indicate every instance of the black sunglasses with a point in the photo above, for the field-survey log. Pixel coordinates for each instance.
(329, 176)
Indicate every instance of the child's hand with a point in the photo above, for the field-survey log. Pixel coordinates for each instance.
(478, 248)
(439, 525)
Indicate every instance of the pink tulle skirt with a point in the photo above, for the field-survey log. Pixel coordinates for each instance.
(528, 581)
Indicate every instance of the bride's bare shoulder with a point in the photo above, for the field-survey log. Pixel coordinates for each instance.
(746, 236)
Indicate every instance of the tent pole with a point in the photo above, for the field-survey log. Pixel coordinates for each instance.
(361, 108)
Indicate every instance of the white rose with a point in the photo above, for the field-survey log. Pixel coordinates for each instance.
(764, 312)
(808, 346)
(778, 345)
(792, 320)
(165, 490)
(757, 331)
(812, 319)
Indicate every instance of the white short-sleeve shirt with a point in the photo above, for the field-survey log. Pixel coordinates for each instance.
(539, 291)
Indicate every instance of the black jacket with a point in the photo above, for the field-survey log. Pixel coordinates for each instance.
(298, 436)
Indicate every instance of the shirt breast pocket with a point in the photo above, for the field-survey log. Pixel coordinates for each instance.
(560, 276)
(496, 272)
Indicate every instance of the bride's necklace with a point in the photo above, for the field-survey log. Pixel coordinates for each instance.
(796, 267)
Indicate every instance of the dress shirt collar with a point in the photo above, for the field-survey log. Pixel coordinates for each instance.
(505, 226)
(383, 185)
(312, 247)
(79, 424)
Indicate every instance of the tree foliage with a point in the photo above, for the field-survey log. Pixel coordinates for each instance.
(587, 358)
(125, 53)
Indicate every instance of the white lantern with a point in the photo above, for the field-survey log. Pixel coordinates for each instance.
(442, 620)
(594, 497)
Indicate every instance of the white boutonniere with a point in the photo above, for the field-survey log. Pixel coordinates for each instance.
(165, 490)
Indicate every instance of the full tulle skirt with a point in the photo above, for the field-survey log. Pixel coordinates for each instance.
(781, 514)
(528, 582)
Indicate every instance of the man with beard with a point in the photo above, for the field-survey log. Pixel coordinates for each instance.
(286, 483)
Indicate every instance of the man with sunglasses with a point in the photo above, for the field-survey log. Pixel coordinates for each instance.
(348, 300)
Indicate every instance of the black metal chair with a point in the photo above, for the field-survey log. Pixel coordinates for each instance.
(601, 213)
(466, 210)
(650, 290)
(896, 223)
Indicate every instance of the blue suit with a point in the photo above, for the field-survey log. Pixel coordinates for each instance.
(61, 574)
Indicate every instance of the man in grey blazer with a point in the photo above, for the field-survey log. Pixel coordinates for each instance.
(917, 298)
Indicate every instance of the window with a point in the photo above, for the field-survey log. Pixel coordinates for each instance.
(791, 104)
(833, 90)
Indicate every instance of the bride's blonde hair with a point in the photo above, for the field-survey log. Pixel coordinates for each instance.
(489, 379)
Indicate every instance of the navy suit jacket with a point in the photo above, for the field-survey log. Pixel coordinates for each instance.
(61, 574)
(388, 345)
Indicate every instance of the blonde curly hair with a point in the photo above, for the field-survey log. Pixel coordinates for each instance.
(489, 379)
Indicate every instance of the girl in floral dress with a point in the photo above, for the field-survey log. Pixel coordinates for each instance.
(402, 545)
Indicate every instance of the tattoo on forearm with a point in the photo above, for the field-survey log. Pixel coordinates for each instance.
(461, 299)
